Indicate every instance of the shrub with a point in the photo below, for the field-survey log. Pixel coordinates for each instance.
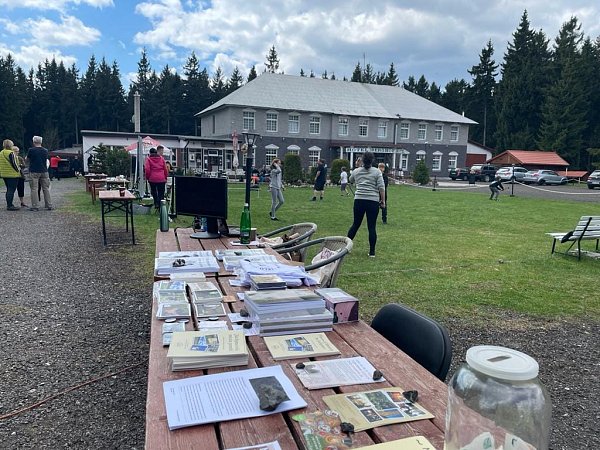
(111, 161)
(421, 173)
(292, 169)
(336, 168)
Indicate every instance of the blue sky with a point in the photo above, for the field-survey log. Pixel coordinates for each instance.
(440, 39)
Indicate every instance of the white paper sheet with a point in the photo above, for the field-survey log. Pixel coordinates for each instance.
(336, 372)
(223, 396)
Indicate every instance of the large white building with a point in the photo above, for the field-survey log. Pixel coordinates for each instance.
(329, 119)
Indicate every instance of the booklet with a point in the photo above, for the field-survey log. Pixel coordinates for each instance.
(370, 409)
(336, 372)
(171, 286)
(204, 310)
(411, 443)
(225, 396)
(300, 346)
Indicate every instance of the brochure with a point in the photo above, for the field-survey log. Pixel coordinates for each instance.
(204, 310)
(336, 372)
(241, 252)
(300, 346)
(225, 396)
(411, 443)
(370, 409)
(171, 286)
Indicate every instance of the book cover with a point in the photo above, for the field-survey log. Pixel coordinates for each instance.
(167, 266)
(207, 344)
(203, 310)
(173, 311)
(171, 286)
(370, 409)
(300, 346)
(281, 296)
(172, 297)
(186, 254)
(241, 252)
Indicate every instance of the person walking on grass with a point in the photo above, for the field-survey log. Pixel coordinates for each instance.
(37, 158)
(276, 188)
(344, 181)
(369, 196)
(386, 182)
(9, 170)
(156, 171)
(320, 180)
(496, 187)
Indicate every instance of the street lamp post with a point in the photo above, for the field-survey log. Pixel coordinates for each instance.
(512, 181)
(248, 148)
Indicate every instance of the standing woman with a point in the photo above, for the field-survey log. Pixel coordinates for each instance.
(156, 174)
(24, 173)
(276, 187)
(9, 169)
(369, 196)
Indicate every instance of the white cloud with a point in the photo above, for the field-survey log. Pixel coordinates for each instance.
(31, 56)
(69, 32)
(59, 5)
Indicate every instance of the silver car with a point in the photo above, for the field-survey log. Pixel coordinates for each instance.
(511, 173)
(544, 177)
(594, 179)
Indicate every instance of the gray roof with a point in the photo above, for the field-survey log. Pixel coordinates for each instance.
(295, 93)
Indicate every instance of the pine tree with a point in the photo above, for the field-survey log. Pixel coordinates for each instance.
(435, 94)
(481, 95)
(422, 87)
(197, 94)
(357, 74)
(454, 95)
(235, 80)
(324, 75)
(421, 173)
(272, 63)
(332, 76)
(87, 94)
(217, 85)
(170, 95)
(312, 74)
(252, 74)
(590, 73)
(368, 76)
(411, 85)
(391, 78)
(302, 74)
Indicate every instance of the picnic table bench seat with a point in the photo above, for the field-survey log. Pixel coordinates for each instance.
(588, 228)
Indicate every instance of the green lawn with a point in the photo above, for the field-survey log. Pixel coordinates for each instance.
(445, 253)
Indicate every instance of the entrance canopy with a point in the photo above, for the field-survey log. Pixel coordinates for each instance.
(147, 143)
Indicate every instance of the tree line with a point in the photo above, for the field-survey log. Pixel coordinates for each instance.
(543, 95)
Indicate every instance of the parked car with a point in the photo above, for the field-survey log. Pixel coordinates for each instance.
(511, 173)
(459, 173)
(544, 177)
(484, 172)
(594, 179)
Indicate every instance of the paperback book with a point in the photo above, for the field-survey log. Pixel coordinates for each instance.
(171, 286)
(208, 348)
(172, 297)
(205, 291)
(233, 262)
(221, 253)
(173, 311)
(186, 254)
(204, 310)
(292, 346)
(263, 282)
(168, 266)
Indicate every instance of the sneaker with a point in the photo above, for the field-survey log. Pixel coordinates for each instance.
(371, 255)
(314, 199)
(23, 205)
(49, 208)
(274, 218)
(12, 208)
(34, 209)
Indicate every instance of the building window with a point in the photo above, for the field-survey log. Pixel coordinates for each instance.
(454, 133)
(439, 132)
(248, 122)
(315, 125)
(404, 130)
(422, 133)
(313, 157)
(271, 122)
(382, 129)
(250, 154)
(452, 160)
(270, 154)
(404, 161)
(293, 149)
(420, 155)
(294, 123)
(343, 126)
(436, 163)
(363, 127)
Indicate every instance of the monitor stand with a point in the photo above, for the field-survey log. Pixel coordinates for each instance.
(212, 230)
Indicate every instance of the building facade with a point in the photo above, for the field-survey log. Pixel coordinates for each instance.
(329, 119)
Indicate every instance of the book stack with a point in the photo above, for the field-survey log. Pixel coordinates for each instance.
(261, 282)
(190, 350)
(278, 312)
(167, 266)
(207, 299)
(232, 263)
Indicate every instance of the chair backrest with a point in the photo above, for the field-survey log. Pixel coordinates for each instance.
(420, 337)
(304, 232)
(340, 246)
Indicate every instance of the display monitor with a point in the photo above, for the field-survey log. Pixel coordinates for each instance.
(203, 197)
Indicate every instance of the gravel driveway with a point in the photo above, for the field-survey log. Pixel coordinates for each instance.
(70, 314)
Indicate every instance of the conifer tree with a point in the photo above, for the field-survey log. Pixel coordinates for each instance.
(324, 75)
(217, 85)
(391, 78)
(454, 95)
(235, 80)
(368, 76)
(197, 94)
(272, 63)
(435, 94)
(481, 96)
(252, 74)
(411, 85)
(422, 87)
(302, 74)
(357, 74)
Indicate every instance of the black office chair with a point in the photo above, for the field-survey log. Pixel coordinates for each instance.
(420, 337)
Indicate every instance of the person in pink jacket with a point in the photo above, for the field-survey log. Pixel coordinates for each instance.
(156, 174)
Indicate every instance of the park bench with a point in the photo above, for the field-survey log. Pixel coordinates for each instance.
(588, 228)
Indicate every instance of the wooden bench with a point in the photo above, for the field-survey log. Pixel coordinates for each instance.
(588, 228)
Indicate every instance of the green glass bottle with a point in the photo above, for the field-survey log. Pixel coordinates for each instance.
(164, 216)
(245, 225)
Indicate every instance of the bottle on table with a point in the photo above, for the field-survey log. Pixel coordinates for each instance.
(495, 400)
(164, 216)
(245, 225)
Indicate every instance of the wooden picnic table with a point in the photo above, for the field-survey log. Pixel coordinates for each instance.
(352, 339)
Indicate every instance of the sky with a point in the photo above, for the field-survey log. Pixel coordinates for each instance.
(440, 39)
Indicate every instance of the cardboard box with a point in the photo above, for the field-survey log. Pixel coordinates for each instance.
(343, 306)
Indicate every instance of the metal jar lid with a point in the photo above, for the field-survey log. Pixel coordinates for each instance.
(502, 362)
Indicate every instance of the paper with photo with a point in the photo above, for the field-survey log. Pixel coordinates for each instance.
(336, 372)
(224, 396)
(370, 409)
(299, 345)
(212, 325)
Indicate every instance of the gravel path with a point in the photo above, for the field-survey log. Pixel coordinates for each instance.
(68, 315)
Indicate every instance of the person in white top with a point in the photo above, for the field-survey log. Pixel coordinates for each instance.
(344, 181)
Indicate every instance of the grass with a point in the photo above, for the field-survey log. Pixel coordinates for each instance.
(445, 253)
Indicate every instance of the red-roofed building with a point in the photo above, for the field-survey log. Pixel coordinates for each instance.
(530, 159)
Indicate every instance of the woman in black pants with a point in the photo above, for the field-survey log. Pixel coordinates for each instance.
(369, 196)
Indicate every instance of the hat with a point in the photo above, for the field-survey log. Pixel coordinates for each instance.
(153, 150)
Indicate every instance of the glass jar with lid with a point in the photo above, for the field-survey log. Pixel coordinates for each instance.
(496, 401)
